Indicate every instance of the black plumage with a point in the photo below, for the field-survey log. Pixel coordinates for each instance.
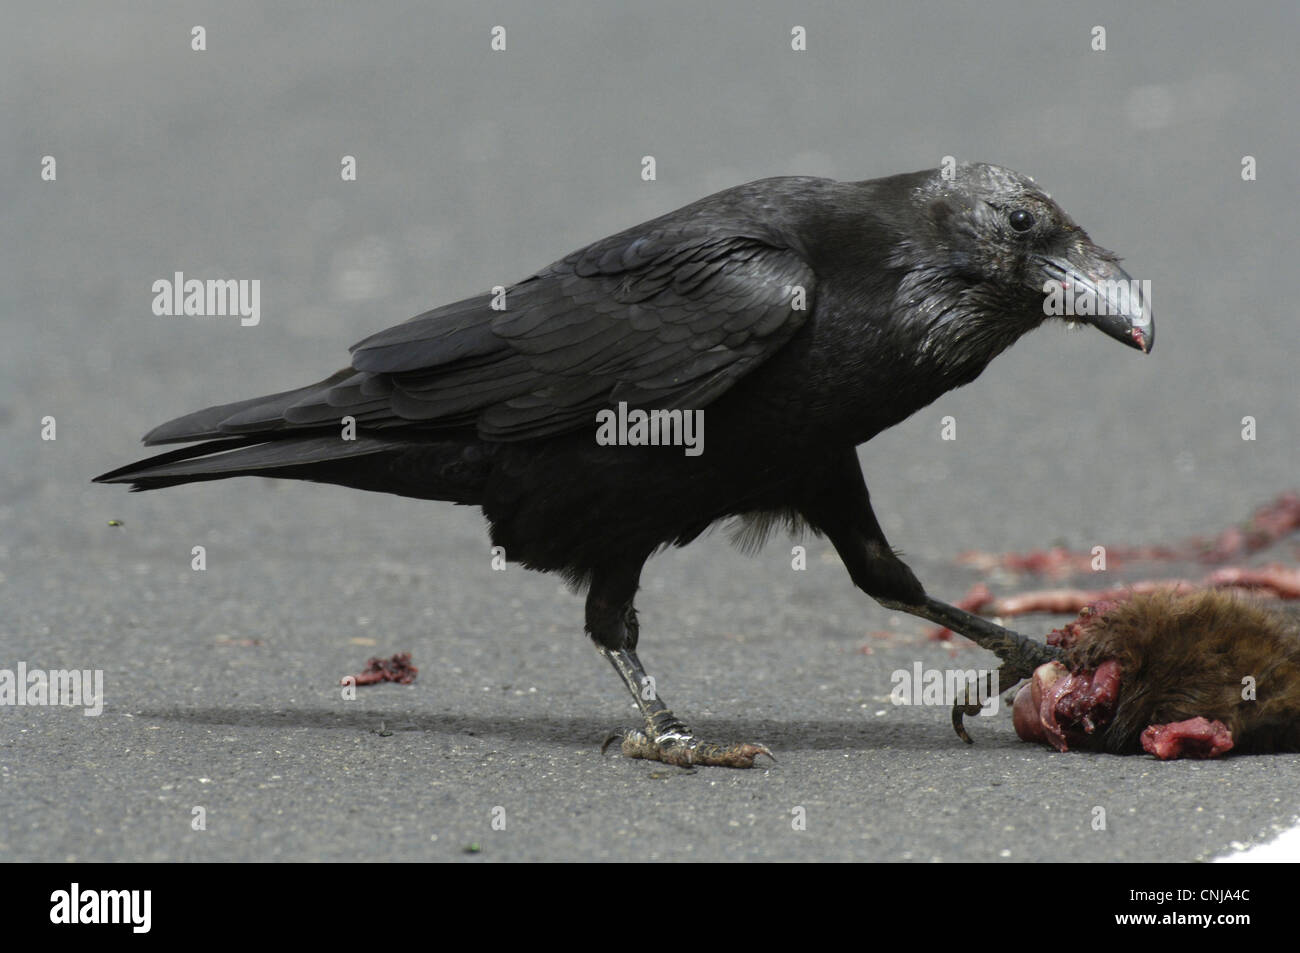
(802, 316)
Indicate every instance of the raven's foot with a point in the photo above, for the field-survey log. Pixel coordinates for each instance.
(665, 738)
(1019, 655)
(684, 750)
(1009, 675)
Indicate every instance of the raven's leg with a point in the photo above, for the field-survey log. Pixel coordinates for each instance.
(665, 738)
(1020, 654)
(612, 624)
(838, 504)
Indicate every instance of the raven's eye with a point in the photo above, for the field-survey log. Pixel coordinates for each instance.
(1021, 220)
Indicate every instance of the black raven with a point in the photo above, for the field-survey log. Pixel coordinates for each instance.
(801, 316)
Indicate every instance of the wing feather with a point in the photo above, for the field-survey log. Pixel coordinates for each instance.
(668, 319)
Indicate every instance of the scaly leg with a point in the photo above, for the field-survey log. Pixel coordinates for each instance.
(612, 624)
(665, 738)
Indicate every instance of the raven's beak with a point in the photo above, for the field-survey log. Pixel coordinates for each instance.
(1095, 290)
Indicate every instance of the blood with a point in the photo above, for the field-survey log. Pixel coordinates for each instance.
(1193, 738)
(1269, 524)
(396, 669)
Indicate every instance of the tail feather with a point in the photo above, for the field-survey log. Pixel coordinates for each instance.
(245, 456)
(262, 414)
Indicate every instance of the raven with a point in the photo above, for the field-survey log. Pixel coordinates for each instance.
(801, 316)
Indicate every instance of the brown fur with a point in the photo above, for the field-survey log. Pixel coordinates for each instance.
(1184, 656)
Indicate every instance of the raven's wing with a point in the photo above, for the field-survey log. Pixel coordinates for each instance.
(666, 319)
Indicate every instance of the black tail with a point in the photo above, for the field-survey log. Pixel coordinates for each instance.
(308, 457)
(259, 416)
(298, 435)
(250, 438)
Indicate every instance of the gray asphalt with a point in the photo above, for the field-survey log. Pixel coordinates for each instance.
(474, 169)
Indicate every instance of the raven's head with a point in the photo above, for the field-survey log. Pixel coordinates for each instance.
(998, 233)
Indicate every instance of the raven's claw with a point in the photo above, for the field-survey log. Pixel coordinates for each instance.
(685, 750)
(958, 712)
(1009, 675)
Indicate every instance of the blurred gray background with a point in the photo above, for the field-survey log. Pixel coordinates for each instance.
(474, 169)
